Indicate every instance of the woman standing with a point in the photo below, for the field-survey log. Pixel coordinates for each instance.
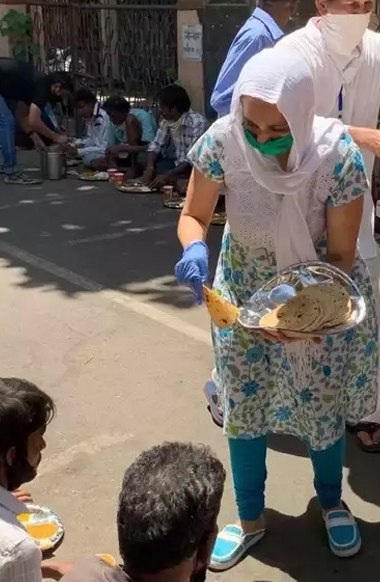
(294, 192)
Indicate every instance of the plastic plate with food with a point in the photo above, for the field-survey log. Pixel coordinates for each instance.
(43, 525)
(135, 187)
(94, 176)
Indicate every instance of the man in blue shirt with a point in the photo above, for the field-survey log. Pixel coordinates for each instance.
(262, 29)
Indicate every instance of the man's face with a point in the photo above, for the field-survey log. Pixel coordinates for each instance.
(56, 90)
(21, 463)
(344, 6)
(35, 445)
(168, 113)
(85, 110)
(117, 117)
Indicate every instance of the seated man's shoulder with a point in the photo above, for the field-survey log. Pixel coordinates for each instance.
(94, 570)
(133, 118)
(19, 556)
(197, 118)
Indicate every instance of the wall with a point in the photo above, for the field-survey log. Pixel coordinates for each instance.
(190, 73)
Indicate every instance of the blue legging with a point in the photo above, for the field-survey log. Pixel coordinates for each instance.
(249, 472)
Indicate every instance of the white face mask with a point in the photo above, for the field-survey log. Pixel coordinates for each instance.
(343, 32)
(175, 125)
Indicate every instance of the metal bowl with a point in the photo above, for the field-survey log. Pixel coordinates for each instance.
(288, 283)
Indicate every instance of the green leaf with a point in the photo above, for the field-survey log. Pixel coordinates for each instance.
(233, 263)
(244, 342)
(328, 398)
(233, 430)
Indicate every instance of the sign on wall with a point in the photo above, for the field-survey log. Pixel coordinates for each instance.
(192, 42)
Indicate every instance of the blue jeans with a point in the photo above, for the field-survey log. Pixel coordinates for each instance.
(248, 462)
(7, 138)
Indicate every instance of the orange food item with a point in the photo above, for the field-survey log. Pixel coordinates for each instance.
(23, 517)
(40, 531)
(108, 559)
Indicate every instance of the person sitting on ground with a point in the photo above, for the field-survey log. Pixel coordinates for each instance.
(178, 131)
(167, 518)
(19, 90)
(93, 146)
(25, 412)
(50, 90)
(130, 132)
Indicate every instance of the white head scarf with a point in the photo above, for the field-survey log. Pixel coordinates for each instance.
(282, 77)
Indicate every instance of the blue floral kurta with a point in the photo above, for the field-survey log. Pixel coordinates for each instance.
(257, 387)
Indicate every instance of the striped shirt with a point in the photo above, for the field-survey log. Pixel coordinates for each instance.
(20, 557)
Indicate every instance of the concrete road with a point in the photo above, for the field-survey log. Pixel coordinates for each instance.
(90, 312)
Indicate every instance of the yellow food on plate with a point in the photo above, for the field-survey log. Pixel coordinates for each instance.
(316, 307)
(24, 517)
(40, 531)
(107, 558)
(223, 313)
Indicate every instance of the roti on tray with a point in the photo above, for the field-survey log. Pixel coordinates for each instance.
(316, 307)
(223, 313)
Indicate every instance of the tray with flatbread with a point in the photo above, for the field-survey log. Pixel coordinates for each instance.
(43, 525)
(303, 301)
(94, 176)
(134, 187)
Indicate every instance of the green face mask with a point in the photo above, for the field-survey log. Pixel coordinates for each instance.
(274, 147)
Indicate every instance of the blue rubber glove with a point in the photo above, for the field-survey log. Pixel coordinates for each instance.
(192, 269)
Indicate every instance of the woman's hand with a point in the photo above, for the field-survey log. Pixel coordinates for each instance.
(343, 223)
(192, 269)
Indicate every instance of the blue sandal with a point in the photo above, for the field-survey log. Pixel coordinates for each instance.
(231, 545)
(342, 533)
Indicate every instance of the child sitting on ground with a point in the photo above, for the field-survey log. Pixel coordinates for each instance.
(130, 132)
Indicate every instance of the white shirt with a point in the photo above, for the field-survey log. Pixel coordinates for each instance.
(20, 557)
(97, 138)
(360, 79)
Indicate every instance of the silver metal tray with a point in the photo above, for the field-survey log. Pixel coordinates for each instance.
(288, 283)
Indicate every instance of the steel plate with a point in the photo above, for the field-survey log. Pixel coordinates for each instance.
(289, 282)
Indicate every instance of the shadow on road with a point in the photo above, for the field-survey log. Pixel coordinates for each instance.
(364, 468)
(120, 241)
(297, 546)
